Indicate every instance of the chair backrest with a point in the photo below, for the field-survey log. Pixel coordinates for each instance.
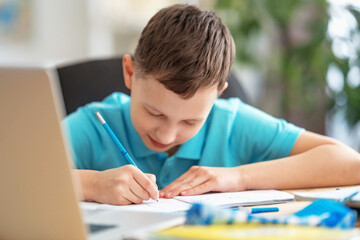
(93, 80)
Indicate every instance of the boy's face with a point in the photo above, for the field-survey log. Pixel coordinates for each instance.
(162, 118)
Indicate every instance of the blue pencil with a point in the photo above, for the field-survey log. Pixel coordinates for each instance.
(257, 210)
(348, 198)
(115, 139)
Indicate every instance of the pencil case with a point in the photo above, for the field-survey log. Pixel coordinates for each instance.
(322, 212)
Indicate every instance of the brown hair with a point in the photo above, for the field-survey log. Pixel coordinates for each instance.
(185, 49)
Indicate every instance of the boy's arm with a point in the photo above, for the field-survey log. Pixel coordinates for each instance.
(87, 181)
(314, 161)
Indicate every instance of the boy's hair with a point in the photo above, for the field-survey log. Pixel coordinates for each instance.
(185, 49)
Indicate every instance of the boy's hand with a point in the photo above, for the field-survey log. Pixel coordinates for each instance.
(198, 180)
(124, 185)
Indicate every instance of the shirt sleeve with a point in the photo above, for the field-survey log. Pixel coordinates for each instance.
(80, 133)
(264, 137)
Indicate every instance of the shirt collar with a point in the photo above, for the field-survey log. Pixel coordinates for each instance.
(191, 149)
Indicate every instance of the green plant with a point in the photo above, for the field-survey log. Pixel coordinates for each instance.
(348, 97)
(287, 42)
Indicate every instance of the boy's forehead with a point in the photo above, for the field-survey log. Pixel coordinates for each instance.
(157, 96)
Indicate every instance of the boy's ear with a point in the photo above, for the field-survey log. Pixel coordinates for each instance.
(224, 87)
(128, 70)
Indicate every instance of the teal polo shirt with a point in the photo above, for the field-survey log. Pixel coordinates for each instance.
(234, 134)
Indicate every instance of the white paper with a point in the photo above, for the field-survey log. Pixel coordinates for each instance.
(337, 195)
(163, 205)
(183, 203)
(245, 198)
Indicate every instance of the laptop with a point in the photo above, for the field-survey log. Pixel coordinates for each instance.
(39, 191)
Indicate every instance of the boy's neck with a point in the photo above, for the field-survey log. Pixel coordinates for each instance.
(173, 150)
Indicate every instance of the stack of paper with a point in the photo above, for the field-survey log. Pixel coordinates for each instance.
(336, 195)
(245, 198)
(183, 203)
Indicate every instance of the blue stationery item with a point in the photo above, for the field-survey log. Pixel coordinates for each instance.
(323, 212)
(115, 139)
(257, 210)
(330, 213)
(264, 210)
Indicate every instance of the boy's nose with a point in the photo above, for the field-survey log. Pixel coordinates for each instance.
(166, 134)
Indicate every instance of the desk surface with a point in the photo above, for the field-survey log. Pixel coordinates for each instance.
(285, 209)
(294, 206)
(289, 208)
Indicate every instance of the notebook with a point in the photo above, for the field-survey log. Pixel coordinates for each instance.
(336, 195)
(183, 203)
(39, 192)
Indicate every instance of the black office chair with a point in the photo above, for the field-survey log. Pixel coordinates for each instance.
(93, 80)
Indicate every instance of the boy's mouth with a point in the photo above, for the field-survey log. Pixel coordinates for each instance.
(157, 144)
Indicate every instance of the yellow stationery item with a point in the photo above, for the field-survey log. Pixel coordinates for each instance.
(255, 231)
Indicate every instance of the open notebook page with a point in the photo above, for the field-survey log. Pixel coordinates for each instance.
(337, 195)
(245, 198)
(163, 205)
(183, 203)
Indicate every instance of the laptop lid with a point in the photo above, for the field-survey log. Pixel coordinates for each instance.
(38, 198)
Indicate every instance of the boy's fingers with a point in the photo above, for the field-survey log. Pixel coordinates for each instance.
(133, 198)
(177, 182)
(139, 191)
(175, 187)
(167, 191)
(200, 189)
(121, 201)
(191, 183)
(146, 184)
(152, 177)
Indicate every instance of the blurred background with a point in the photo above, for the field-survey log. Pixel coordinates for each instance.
(298, 59)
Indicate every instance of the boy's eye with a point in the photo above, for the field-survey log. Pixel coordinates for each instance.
(190, 123)
(154, 114)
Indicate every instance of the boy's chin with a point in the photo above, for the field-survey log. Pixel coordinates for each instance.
(156, 149)
(152, 147)
(170, 150)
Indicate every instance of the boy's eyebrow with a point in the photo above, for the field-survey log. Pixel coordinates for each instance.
(156, 110)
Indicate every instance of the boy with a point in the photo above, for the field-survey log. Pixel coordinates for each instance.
(176, 129)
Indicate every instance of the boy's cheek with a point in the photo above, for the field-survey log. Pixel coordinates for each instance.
(140, 120)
